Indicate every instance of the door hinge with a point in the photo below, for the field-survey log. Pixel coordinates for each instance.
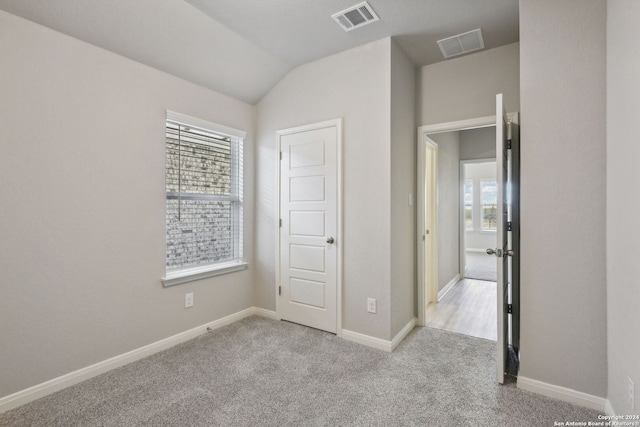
(279, 290)
(280, 222)
(509, 308)
(281, 154)
(508, 145)
(509, 226)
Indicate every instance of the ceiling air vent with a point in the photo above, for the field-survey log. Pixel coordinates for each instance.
(356, 16)
(462, 43)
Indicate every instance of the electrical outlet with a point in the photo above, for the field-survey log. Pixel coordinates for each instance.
(371, 305)
(188, 300)
(632, 394)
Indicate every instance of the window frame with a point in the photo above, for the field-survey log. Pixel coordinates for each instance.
(464, 205)
(179, 275)
(483, 229)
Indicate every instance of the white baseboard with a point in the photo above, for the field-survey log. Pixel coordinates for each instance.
(448, 286)
(403, 333)
(367, 340)
(263, 312)
(608, 409)
(564, 394)
(379, 343)
(40, 390)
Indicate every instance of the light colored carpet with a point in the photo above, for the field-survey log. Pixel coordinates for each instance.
(481, 266)
(261, 372)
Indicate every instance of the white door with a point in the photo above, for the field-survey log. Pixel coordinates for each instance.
(502, 251)
(308, 237)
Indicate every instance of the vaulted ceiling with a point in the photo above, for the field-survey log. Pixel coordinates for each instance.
(242, 48)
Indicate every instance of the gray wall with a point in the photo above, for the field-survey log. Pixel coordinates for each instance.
(623, 178)
(465, 87)
(448, 206)
(478, 143)
(354, 85)
(403, 181)
(82, 166)
(562, 80)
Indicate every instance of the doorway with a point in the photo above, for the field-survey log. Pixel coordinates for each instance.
(478, 219)
(466, 210)
(505, 252)
(441, 137)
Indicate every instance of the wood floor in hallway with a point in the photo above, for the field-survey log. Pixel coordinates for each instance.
(469, 308)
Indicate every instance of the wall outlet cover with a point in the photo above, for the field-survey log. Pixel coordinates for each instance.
(188, 300)
(371, 305)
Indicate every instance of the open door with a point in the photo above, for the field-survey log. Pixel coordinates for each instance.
(507, 165)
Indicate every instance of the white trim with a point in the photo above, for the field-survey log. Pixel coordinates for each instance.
(478, 122)
(403, 333)
(479, 250)
(427, 218)
(448, 286)
(337, 123)
(263, 312)
(563, 393)
(190, 274)
(379, 343)
(205, 124)
(367, 340)
(608, 409)
(40, 390)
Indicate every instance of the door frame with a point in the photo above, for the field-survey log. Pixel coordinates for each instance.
(428, 220)
(337, 123)
(423, 132)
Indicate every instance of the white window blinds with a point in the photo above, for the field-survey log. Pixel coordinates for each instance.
(203, 192)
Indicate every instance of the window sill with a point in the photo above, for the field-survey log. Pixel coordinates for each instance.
(196, 273)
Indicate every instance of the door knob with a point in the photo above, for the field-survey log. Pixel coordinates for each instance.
(330, 240)
(508, 252)
(496, 252)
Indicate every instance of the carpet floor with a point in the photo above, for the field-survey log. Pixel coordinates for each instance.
(262, 372)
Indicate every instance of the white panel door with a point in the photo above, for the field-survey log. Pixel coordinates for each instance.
(307, 292)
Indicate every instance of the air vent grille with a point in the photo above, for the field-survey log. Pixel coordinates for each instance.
(355, 16)
(461, 43)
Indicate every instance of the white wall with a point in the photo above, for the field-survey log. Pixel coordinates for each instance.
(82, 158)
(478, 143)
(563, 292)
(403, 181)
(448, 206)
(477, 239)
(466, 87)
(623, 179)
(354, 85)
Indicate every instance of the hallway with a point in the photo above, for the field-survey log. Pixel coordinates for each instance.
(469, 308)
